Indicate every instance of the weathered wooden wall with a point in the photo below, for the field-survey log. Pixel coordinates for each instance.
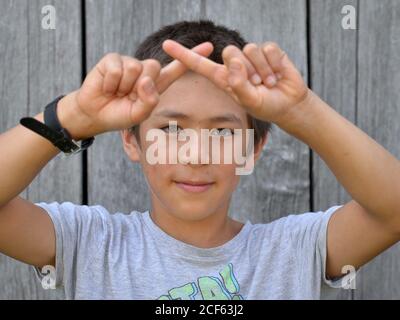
(356, 71)
(35, 66)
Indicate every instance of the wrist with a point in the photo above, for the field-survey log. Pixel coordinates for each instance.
(300, 116)
(73, 119)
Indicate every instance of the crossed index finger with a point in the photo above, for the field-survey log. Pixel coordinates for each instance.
(176, 68)
(215, 72)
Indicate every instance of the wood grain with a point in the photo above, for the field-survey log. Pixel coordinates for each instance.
(36, 66)
(356, 71)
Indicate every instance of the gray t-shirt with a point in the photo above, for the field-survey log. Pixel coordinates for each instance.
(127, 256)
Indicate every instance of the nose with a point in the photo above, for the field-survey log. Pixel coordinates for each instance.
(193, 149)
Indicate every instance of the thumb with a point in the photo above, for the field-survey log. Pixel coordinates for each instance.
(148, 98)
(241, 86)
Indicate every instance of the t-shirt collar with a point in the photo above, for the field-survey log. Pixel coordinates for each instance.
(190, 251)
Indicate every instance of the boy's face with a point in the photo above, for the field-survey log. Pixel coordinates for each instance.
(193, 102)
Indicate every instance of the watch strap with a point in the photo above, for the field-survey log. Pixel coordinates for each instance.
(61, 139)
(52, 130)
(50, 115)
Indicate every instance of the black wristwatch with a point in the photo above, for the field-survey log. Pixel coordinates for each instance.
(52, 130)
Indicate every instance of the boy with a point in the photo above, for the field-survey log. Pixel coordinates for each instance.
(185, 246)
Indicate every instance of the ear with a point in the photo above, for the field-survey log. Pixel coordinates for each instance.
(131, 145)
(260, 146)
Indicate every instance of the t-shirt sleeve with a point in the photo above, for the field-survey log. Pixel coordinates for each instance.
(322, 249)
(330, 287)
(80, 231)
(309, 233)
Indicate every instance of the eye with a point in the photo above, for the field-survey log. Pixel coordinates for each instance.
(171, 129)
(224, 132)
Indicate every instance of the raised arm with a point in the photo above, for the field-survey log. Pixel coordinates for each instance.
(365, 226)
(118, 93)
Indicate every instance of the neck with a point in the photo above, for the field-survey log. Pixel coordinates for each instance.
(213, 231)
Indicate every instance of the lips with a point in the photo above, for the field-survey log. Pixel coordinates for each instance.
(194, 186)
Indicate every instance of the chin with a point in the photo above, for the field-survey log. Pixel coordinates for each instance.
(190, 212)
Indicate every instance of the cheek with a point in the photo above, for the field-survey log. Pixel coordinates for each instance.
(158, 174)
(226, 175)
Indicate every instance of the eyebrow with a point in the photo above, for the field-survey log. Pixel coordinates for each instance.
(229, 117)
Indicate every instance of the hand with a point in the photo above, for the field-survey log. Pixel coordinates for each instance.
(118, 93)
(275, 86)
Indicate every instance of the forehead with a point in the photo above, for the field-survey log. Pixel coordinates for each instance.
(197, 97)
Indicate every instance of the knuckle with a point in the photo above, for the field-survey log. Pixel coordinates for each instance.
(111, 55)
(228, 50)
(270, 46)
(233, 47)
(115, 72)
(134, 66)
(250, 48)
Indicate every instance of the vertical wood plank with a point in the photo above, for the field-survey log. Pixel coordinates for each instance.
(119, 26)
(333, 60)
(378, 115)
(279, 184)
(36, 66)
(333, 65)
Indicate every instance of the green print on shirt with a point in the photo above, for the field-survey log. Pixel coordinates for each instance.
(210, 288)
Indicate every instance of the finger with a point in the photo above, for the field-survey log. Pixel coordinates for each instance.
(217, 73)
(148, 98)
(241, 86)
(232, 51)
(276, 57)
(151, 68)
(111, 69)
(131, 71)
(176, 69)
(255, 55)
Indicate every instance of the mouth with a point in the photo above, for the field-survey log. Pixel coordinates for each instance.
(194, 186)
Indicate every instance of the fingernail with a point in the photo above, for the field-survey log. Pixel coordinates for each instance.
(271, 80)
(256, 79)
(149, 87)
